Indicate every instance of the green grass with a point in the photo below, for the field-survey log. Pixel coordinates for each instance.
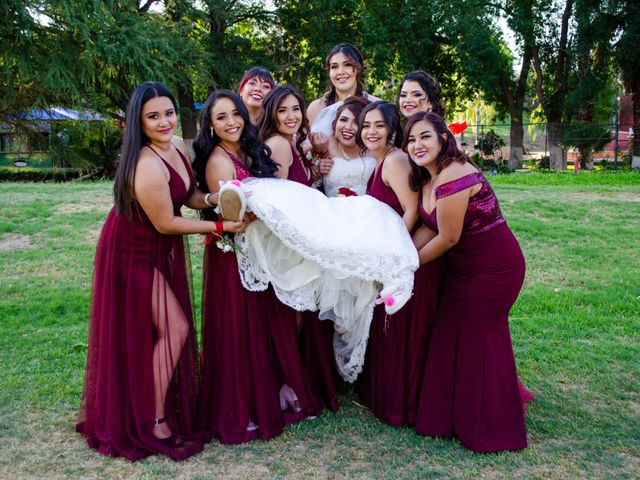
(575, 328)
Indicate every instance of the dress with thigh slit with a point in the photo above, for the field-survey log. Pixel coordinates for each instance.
(139, 271)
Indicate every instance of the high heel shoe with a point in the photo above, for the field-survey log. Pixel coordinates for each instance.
(288, 398)
(173, 440)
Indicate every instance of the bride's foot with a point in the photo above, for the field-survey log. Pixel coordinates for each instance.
(251, 426)
(232, 203)
(288, 398)
(394, 296)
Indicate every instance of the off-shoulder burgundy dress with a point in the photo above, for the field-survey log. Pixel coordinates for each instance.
(470, 387)
(137, 271)
(249, 350)
(391, 381)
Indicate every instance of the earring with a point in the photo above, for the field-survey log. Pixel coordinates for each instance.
(211, 130)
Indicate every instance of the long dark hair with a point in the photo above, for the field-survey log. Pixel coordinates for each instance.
(268, 123)
(391, 118)
(430, 86)
(256, 153)
(449, 151)
(354, 104)
(260, 73)
(132, 142)
(352, 53)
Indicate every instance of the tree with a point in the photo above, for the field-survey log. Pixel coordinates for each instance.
(551, 61)
(627, 53)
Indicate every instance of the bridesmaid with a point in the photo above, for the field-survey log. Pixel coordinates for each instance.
(420, 92)
(245, 367)
(254, 86)
(392, 376)
(345, 65)
(284, 127)
(470, 388)
(142, 371)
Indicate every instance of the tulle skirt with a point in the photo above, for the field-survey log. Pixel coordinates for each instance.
(139, 274)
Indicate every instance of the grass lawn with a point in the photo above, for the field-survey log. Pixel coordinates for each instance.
(575, 327)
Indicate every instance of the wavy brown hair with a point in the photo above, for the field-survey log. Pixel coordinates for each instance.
(449, 151)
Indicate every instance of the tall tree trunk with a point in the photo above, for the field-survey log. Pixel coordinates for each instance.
(635, 144)
(188, 117)
(516, 148)
(586, 158)
(557, 155)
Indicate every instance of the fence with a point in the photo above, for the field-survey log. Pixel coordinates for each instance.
(535, 140)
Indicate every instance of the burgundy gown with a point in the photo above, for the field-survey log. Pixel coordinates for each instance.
(118, 406)
(470, 387)
(391, 381)
(316, 336)
(249, 348)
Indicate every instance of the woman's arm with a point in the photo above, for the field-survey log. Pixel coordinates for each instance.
(450, 216)
(313, 109)
(395, 173)
(151, 187)
(281, 154)
(422, 236)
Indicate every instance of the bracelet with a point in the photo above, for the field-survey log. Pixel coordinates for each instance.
(207, 201)
(219, 228)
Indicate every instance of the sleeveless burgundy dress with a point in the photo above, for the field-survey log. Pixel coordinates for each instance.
(136, 269)
(391, 381)
(471, 389)
(244, 361)
(316, 336)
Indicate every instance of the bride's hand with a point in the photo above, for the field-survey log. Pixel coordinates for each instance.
(319, 141)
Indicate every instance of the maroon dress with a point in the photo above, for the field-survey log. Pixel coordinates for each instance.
(246, 356)
(135, 272)
(391, 381)
(316, 336)
(470, 387)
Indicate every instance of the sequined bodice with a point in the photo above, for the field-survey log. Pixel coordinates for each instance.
(483, 212)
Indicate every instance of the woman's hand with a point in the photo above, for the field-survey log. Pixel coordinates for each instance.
(319, 141)
(325, 165)
(235, 227)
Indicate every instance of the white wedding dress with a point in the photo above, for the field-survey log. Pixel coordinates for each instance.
(326, 254)
(352, 173)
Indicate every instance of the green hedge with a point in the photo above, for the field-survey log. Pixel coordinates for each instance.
(27, 174)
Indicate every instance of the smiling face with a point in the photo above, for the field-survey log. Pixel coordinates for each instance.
(289, 116)
(374, 132)
(254, 91)
(423, 144)
(413, 99)
(346, 128)
(343, 73)
(158, 119)
(226, 120)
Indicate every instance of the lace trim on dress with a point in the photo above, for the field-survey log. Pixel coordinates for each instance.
(326, 254)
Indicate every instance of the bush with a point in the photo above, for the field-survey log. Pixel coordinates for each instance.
(26, 174)
(85, 146)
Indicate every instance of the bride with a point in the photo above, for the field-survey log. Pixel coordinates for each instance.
(326, 254)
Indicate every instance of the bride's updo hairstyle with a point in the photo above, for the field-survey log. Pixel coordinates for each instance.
(353, 54)
(449, 150)
(391, 119)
